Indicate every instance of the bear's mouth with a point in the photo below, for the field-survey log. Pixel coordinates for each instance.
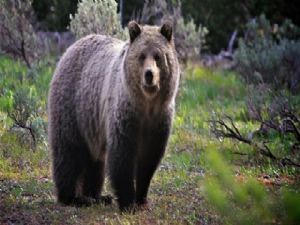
(150, 89)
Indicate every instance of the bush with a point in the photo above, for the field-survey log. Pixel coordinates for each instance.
(23, 94)
(189, 40)
(267, 55)
(269, 62)
(17, 35)
(275, 138)
(97, 16)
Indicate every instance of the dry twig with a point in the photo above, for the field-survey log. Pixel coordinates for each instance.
(223, 129)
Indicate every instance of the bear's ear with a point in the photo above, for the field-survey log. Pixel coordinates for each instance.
(166, 30)
(134, 30)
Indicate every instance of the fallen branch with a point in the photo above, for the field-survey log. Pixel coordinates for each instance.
(222, 129)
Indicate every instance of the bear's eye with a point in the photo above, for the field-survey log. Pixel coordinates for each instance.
(157, 57)
(142, 57)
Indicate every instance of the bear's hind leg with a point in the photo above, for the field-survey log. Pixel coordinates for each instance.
(93, 181)
(66, 175)
(68, 168)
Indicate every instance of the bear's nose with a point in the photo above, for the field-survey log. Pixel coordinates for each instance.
(148, 77)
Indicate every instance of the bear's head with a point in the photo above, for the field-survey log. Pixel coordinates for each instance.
(151, 64)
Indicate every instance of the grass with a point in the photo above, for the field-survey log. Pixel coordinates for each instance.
(177, 192)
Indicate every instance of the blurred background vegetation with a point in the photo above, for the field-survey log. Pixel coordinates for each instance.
(234, 152)
(221, 17)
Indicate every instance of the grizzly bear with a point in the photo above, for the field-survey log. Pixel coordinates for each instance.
(111, 105)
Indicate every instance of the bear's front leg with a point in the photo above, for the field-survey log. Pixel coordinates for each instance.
(122, 146)
(155, 139)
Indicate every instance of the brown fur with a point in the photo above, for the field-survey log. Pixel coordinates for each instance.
(103, 109)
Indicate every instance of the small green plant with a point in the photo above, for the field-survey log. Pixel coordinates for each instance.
(246, 201)
(98, 17)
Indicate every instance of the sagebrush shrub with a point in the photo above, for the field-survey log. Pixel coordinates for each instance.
(267, 55)
(17, 35)
(189, 39)
(98, 17)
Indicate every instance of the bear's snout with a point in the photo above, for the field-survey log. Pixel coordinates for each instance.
(150, 83)
(149, 77)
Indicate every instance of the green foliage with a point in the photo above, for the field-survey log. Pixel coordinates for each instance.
(203, 85)
(97, 16)
(18, 162)
(246, 202)
(268, 60)
(23, 95)
(266, 55)
(291, 203)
